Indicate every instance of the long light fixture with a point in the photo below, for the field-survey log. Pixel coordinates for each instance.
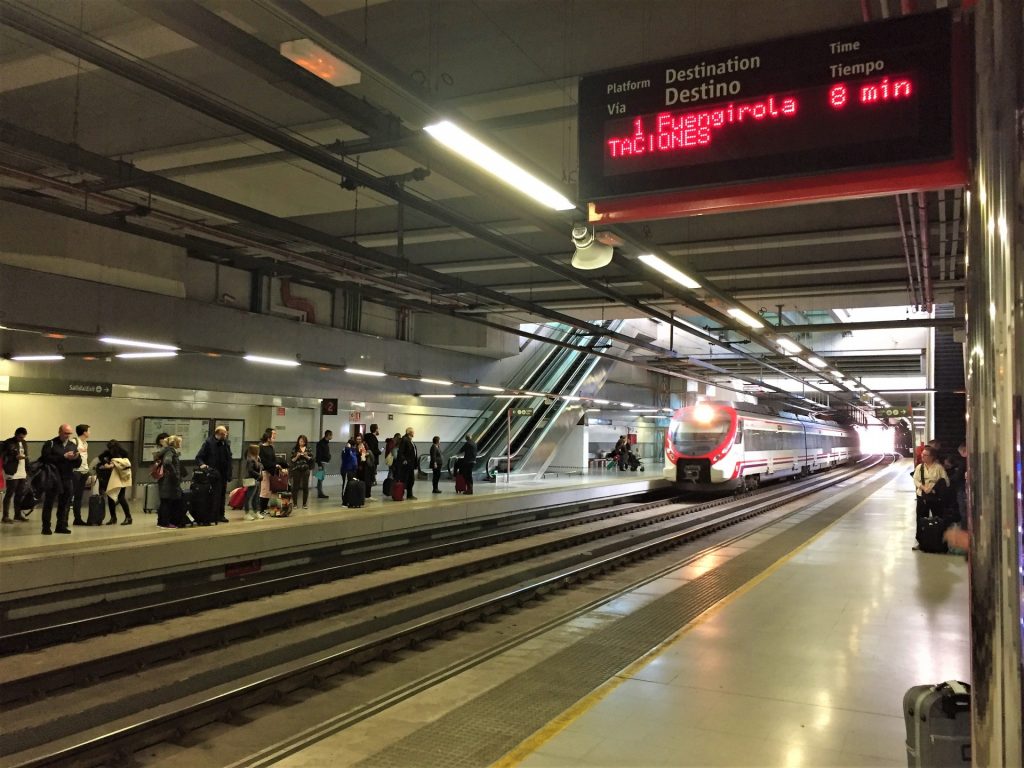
(745, 317)
(817, 362)
(447, 397)
(36, 358)
(364, 372)
(273, 361)
(441, 382)
(644, 410)
(506, 397)
(536, 394)
(789, 345)
(627, 405)
(593, 410)
(486, 388)
(660, 265)
(602, 402)
(117, 342)
(144, 355)
(487, 159)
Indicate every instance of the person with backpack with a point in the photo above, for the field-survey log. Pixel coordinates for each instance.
(61, 456)
(14, 453)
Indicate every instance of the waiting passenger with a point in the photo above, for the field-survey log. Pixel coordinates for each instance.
(956, 469)
(436, 460)
(366, 468)
(372, 439)
(299, 466)
(251, 476)
(83, 478)
(14, 457)
(216, 453)
(408, 460)
(113, 465)
(932, 485)
(349, 464)
(172, 507)
(60, 457)
(468, 451)
(268, 458)
(323, 458)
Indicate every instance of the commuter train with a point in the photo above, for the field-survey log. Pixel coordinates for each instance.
(716, 446)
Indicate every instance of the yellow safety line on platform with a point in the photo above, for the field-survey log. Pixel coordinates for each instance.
(557, 725)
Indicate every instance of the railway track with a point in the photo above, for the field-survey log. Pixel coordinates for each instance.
(160, 681)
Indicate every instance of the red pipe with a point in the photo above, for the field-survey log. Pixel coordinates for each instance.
(294, 302)
(865, 9)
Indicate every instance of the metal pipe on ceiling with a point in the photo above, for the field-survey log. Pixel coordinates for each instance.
(926, 271)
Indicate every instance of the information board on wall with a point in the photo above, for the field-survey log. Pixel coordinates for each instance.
(874, 95)
(193, 432)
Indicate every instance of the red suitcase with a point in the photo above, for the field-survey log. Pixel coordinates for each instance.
(397, 490)
(460, 484)
(237, 498)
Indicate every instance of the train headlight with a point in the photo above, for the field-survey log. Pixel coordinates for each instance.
(703, 413)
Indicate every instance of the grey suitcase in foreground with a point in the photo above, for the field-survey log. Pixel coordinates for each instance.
(151, 502)
(938, 721)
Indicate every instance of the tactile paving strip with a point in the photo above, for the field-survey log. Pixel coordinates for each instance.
(484, 729)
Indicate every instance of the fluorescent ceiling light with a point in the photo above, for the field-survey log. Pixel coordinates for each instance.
(320, 62)
(626, 405)
(789, 345)
(144, 355)
(644, 410)
(593, 410)
(745, 317)
(602, 402)
(667, 410)
(571, 398)
(837, 374)
(358, 403)
(506, 397)
(442, 382)
(437, 396)
(36, 358)
(660, 265)
(272, 361)
(536, 394)
(132, 343)
(486, 388)
(364, 372)
(817, 362)
(485, 158)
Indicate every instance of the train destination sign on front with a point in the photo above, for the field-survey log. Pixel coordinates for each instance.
(868, 96)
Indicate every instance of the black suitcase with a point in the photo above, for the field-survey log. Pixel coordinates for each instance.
(201, 501)
(97, 509)
(929, 534)
(938, 720)
(355, 494)
(386, 488)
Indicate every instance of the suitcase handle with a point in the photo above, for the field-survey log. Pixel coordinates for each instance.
(956, 697)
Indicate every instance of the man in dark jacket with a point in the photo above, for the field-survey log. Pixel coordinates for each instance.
(216, 454)
(468, 461)
(61, 453)
(14, 451)
(372, 441)
(323, 458)
(409, 460)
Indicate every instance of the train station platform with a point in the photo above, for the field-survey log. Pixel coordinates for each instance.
(805, 664)
(31, 563)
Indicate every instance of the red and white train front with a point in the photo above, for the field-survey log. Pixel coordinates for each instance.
(700, 447)
(716, 446)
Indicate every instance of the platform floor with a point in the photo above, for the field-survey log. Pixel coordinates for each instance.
(805, 665)
(15, 537)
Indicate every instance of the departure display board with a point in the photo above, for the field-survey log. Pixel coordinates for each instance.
(864, 97)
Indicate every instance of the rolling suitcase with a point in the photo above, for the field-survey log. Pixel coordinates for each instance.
(201, 502)
(397, 490)
(938, 719)
(386, 487)
(929, 534)
(237, 498)
(151, 498)
(97, 509)
(355, 494)
(460, 483)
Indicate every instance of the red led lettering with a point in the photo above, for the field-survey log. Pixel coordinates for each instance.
(885, 90)
(838, 96)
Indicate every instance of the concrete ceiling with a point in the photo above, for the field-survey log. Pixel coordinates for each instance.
(512, 66)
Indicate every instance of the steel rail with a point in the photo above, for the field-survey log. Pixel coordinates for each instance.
(312, 673)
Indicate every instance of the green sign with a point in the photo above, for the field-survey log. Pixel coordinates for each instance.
(60, 387)
(521, 411)
(893, 413)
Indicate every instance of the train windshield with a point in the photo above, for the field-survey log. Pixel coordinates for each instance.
(695, 437)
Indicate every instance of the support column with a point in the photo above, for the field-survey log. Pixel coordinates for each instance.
(995, 384)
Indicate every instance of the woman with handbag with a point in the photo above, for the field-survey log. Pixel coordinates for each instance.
(299, 468)
(251, 475)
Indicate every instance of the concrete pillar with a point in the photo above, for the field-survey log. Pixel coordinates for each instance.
(995, 384)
